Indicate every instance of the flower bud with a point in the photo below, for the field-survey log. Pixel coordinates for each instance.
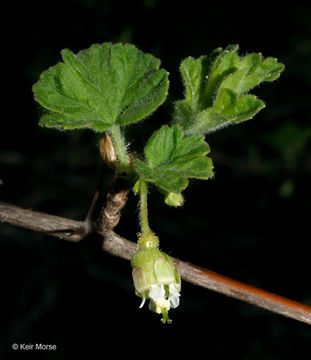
(108, 152)
(174, 199)
(156, 279)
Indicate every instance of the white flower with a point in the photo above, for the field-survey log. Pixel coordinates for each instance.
(162, 298)
(157, 279)
(174, 295)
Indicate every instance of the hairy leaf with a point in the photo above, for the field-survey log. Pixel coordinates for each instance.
(101, 86)
(172, 158)
(215, 88)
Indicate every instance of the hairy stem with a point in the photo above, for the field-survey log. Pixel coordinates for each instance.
(144, 223)
(119, 143)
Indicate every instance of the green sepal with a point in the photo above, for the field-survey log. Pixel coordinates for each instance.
(153, 267)
(101, 86)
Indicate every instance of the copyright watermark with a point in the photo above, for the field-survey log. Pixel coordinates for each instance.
(34, 346)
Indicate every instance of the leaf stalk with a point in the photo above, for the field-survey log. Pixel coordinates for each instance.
(120, 146)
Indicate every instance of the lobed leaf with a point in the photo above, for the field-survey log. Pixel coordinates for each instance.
(228, 109)
(101, 86)
(215, 88)
(172, 158)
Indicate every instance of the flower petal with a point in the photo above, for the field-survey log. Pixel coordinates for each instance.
(173, 289)
(142, 301)
(156, 291)
(174, 301)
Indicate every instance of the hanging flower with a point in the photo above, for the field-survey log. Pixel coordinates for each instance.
(156, 279)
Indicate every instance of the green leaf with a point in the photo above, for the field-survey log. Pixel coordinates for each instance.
(227, 109)
(193, 72)
(252, 71)
(101, 86)
(215, 88)
(172, 158)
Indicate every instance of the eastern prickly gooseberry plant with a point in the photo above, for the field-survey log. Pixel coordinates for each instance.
(110, 86)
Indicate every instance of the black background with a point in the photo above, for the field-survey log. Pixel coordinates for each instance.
(250, 222)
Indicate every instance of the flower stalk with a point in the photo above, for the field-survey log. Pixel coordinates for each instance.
(144, 223)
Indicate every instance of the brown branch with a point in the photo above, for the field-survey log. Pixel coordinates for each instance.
(60, 227)
(117, 245)
(238, 290)
(111, 213)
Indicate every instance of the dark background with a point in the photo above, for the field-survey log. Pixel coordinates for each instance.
(250, 222)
